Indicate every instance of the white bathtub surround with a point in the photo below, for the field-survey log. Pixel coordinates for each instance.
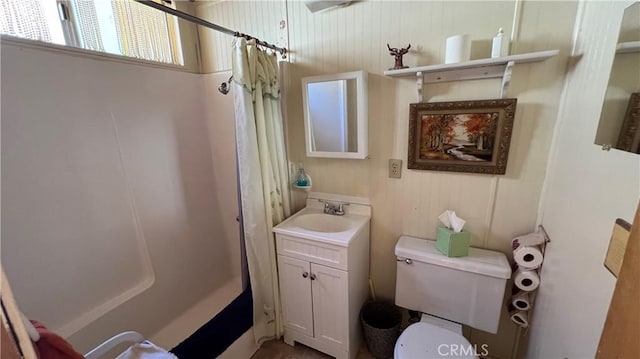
(71, 244)
(263, 175)
(198, 315)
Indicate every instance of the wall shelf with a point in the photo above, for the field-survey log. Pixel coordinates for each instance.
(304, 188)
(628, 47)
(470, 70)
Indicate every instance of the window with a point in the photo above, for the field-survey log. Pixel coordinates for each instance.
(121, 27)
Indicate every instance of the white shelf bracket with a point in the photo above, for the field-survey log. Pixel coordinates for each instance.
(506, 78)
(420, 85)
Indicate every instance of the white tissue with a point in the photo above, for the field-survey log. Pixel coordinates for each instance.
(444, 218)
(451, 221)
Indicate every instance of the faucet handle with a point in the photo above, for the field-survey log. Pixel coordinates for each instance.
(333, 207)
(328, 207)
(340, 209)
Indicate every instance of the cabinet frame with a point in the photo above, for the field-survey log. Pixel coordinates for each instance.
(339, 272)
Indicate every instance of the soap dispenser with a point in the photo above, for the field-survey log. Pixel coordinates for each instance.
(498, 45)
(302, 178)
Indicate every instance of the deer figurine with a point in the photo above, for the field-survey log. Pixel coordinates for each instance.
(398, 53)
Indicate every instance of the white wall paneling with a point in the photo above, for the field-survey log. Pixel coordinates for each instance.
(585, 191)
(266, 20)
(497, 208)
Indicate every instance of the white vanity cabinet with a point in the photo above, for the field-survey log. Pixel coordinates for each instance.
(323, 285)
(311, 295)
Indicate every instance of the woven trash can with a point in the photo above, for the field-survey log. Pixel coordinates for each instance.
(381, 325)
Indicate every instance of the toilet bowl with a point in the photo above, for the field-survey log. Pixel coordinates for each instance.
(433, 337)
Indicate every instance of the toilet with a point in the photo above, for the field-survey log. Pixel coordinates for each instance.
(449, 292)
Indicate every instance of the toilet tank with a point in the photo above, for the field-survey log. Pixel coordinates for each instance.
(467, 290)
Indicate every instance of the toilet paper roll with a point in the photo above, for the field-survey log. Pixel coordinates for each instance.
(458, 49)
(519, 318)
(526, 280)
(531, 239)
(528, 257)
(521, 301)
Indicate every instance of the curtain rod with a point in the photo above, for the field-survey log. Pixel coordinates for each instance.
(196, 20)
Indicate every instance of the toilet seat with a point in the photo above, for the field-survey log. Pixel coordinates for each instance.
(422, 340)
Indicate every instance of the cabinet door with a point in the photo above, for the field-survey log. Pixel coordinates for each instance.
(330, 304)
(295, 291)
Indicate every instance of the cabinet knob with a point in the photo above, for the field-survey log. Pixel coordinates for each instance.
(305, 275)
(313, 276)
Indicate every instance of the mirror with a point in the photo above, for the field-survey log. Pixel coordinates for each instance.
(335, 115)
(619, 125)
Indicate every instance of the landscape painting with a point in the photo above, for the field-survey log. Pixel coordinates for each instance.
(464, 136)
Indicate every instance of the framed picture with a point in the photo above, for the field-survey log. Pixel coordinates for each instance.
(629, 138)
(462, 136)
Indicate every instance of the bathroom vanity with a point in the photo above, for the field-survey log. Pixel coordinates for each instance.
(323, 266)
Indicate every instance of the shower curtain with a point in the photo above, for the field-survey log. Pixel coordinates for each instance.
(263, 176)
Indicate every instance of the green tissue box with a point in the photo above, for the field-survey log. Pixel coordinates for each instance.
(453, 244)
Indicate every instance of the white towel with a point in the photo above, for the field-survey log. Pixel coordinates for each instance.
(146, 350)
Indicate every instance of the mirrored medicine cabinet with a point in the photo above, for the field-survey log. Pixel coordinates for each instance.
(335, 115)
(619, 125)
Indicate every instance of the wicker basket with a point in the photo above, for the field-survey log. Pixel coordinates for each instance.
(381, 325)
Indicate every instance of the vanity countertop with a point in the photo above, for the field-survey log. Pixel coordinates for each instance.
(308, 224)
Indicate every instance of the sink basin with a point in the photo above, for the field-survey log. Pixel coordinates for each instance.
(320, 222)
(312, 224)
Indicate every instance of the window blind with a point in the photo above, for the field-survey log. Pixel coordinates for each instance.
(143, 32)
(122, 27)
(87, 25)
(24, 19)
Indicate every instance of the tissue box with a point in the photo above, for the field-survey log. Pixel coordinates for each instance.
(453, 244)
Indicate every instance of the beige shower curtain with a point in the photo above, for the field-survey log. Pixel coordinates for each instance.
(263, 176)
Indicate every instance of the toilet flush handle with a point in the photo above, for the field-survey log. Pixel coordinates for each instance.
(406, 260)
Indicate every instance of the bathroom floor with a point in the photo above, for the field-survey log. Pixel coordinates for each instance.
(277, 349)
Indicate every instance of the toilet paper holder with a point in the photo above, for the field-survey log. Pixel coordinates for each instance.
(532, 295)
(544, 232)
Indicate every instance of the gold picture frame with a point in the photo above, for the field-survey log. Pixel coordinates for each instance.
(461, 136)
(629, 139)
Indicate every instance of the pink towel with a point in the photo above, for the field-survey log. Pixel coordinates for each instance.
(53, 346)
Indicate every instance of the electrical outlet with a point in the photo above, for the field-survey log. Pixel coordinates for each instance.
(395, 168)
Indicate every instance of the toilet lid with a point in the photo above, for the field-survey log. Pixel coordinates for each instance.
(425, 340)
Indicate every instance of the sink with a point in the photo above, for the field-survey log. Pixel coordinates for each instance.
(320, 222)
(313, 224)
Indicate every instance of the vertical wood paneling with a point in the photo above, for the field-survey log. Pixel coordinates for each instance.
(586, 190)
(496, 208)
(256, 18)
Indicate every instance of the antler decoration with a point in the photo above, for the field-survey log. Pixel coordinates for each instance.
(398, 53)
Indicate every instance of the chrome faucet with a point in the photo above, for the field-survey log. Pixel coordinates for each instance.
(336, 209)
